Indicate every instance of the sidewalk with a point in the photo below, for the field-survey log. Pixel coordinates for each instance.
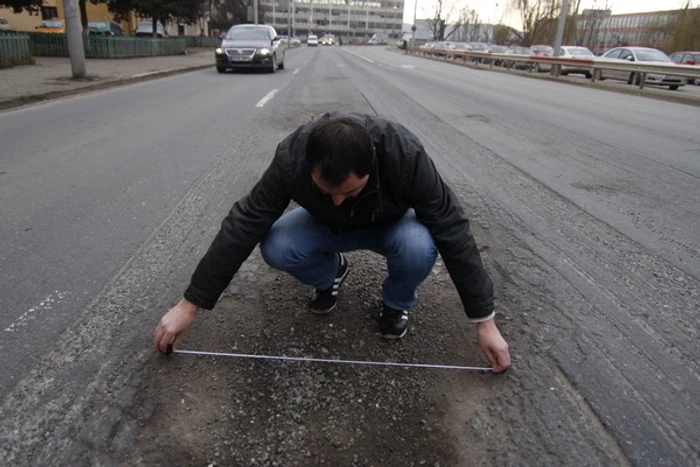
(51, 76)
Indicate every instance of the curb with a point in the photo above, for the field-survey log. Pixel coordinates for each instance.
(634, 91)
(22, 101)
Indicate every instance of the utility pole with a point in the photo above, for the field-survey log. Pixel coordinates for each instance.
(560, 34)
(74, 36)
(560, 26)
(255, 11)
(291, 34)
(311, 20)
(414, 27)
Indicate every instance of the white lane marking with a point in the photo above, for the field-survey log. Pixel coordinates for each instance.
(296, 71)
(269, 96)
(358, 55)
(45, 304)
(410, 67)
(385, 67)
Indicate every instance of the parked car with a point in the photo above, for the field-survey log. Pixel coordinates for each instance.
(478, 47)
(251, 46)
(296, 41)
(4, 24)
(573, 52)
(517, 50)
(328, 39)
(688, 58)
(145, 29)
(312, 41)
(542, 51)
(54, 26)
(104, 28)
(498, 49)
(641, 55)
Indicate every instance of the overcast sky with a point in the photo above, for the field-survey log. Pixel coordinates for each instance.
(490, 11)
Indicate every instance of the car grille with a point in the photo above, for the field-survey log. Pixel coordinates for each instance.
(235, 53)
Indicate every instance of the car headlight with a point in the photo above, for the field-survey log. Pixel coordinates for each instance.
(219, 50)
(264, 51)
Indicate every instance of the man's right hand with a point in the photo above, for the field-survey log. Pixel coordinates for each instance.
(174, 325)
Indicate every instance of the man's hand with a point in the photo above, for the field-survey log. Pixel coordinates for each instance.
(493, 345)
(174, 325)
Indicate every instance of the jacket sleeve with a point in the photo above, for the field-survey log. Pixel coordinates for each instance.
(437, 208)
(243, 228)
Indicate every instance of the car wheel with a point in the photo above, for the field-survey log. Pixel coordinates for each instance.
(631, 78)
(273, 67)
(599, 75)
(281, 65)
(537, 68)
(673, 87)
(221, 69)
(588, 75)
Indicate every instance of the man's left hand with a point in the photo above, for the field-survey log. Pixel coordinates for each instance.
(493, 345)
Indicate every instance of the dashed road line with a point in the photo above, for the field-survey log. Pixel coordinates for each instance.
(265, 99)
(358, 55)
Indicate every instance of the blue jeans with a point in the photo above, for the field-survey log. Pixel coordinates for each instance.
(302, 246)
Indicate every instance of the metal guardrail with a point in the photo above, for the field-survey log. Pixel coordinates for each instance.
(595, 65)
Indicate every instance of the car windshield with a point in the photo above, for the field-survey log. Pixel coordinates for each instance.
(499, 49)
(52, 24)
(542, 48)
(313, 37)
(652, 56)
(254, 34)
(579, 51)
(521, 50)
(479, 47)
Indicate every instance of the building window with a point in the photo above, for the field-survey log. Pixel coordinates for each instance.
(49, 12)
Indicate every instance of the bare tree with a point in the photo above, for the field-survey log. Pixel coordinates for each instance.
(468, 27)
(536, 17)
(685, 30)
(441, 12)
(589, 27)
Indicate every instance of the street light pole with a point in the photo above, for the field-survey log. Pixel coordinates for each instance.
(255, 11)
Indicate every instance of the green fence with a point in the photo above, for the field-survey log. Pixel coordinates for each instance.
(203, 41)
(14, 50)
(56, 45)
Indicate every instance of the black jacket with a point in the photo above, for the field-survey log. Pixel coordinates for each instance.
(404, 177)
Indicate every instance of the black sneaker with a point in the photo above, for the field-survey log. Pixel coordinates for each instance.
(325, 300)
(393, 323)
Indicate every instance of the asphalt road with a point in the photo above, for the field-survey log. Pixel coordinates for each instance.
(585, 204)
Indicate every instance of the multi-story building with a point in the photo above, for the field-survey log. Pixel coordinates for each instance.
(600, 30)
(350, 19)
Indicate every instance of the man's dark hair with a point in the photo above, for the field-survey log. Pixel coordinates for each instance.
(339, 147)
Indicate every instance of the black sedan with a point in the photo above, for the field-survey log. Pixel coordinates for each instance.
(250, 46)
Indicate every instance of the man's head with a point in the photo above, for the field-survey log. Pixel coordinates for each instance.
(340, 153)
